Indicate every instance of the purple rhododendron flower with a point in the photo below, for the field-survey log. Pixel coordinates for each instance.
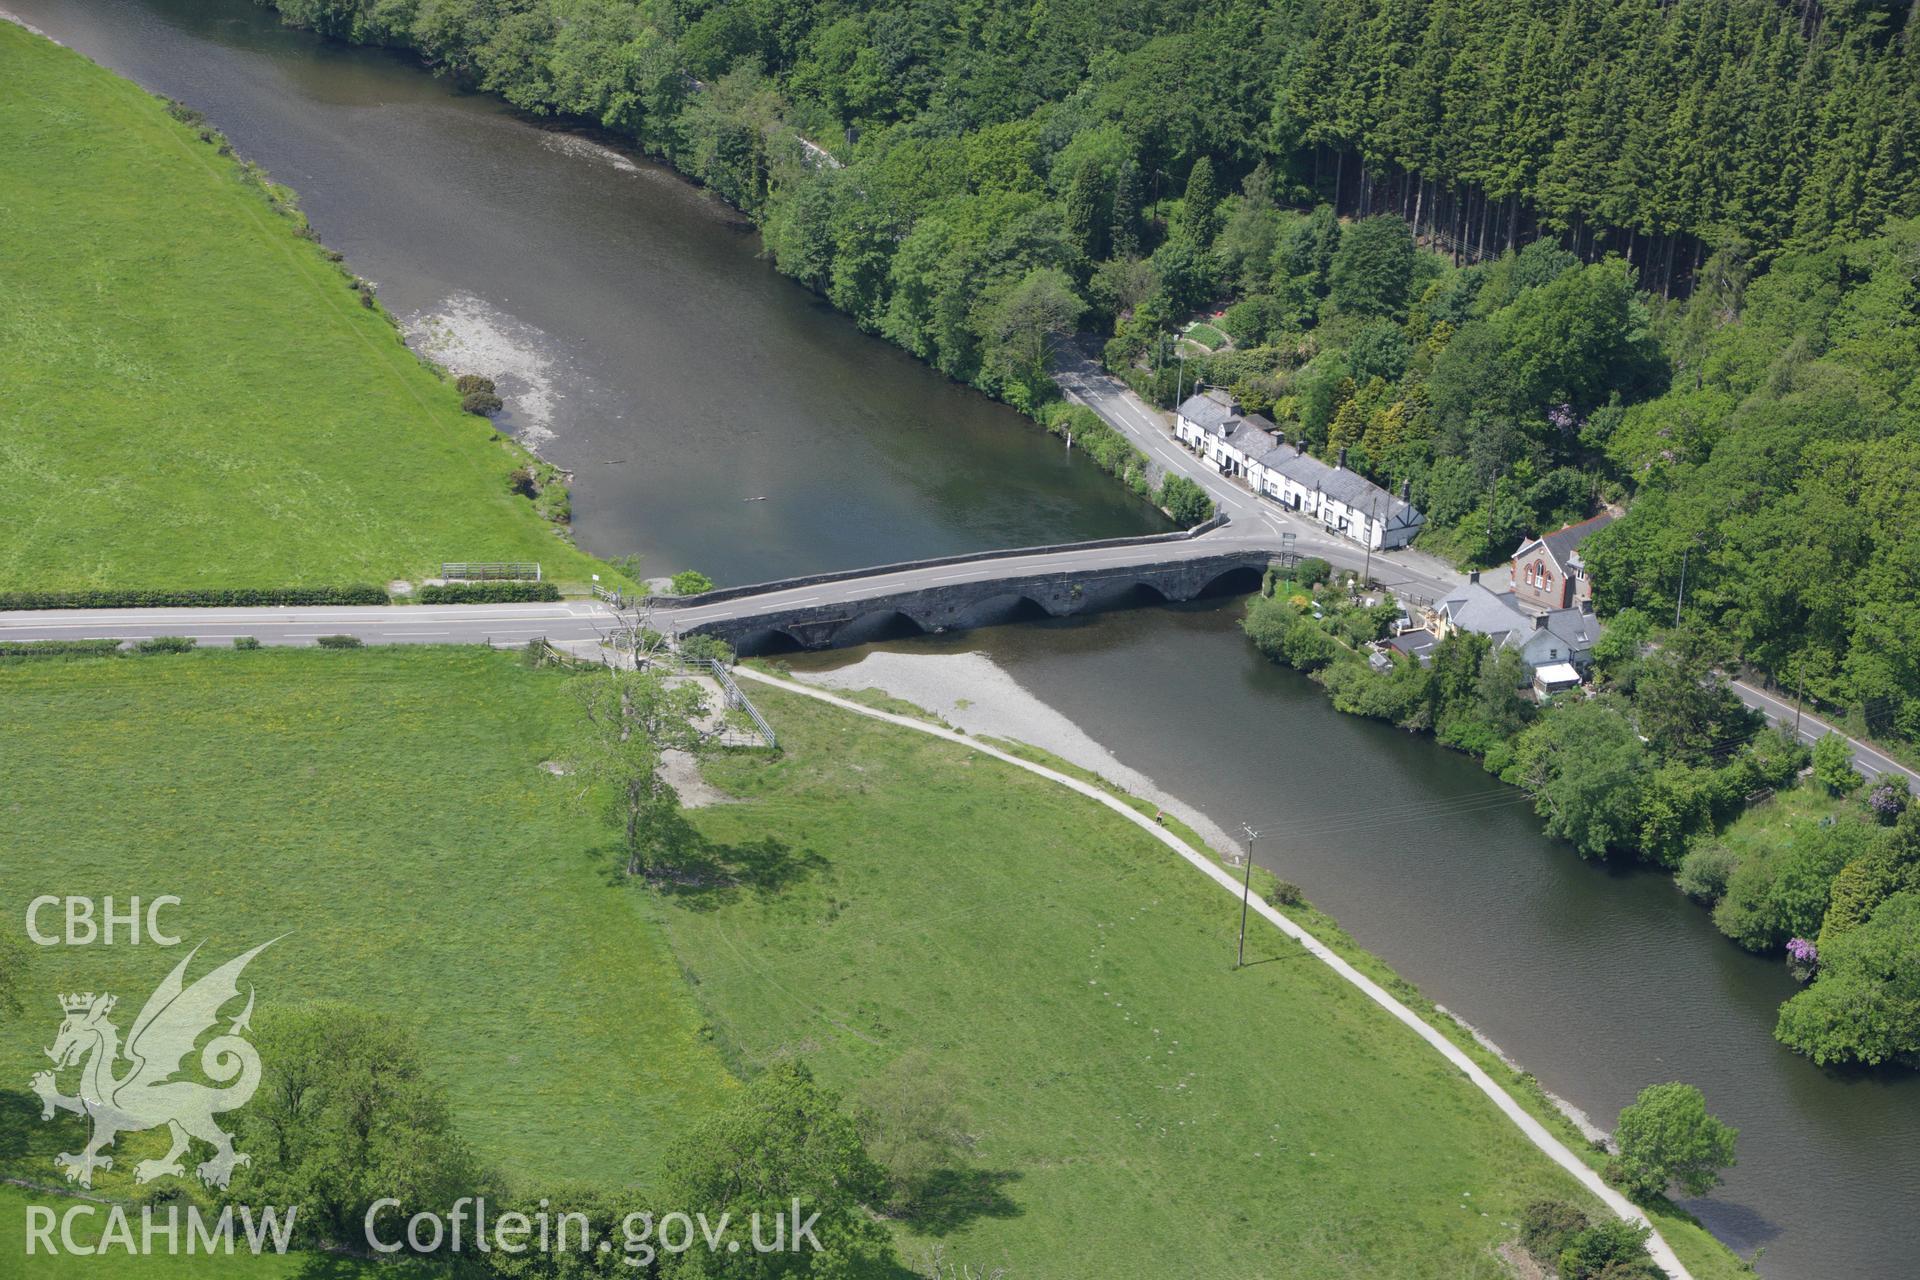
(1803, 951)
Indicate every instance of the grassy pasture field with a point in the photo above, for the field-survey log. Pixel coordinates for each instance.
(191, 395)
(387, 811)
(1138, 1107)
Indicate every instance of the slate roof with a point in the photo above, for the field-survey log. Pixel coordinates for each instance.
(1578, 629)
(1564, 543)
(1415, 644)
(1500, 616)
(1252, 435)
(1208, 411)
(1338, 483)
(1477, 607)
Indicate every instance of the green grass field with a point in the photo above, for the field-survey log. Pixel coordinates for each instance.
(1139, 1107)
(387, 811)
(190, 393)
(1776, 822)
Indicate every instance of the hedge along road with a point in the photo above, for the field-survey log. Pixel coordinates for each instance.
(1535, 1132)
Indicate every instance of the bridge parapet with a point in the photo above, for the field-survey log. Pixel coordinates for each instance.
(720, 595)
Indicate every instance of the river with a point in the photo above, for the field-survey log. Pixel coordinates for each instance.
(680, 378)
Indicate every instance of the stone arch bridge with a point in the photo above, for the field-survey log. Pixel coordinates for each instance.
(957, 593)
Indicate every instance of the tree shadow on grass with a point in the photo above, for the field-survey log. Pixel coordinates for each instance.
(705, 874)
(708, 874)
(951, 1198)
(25, 1136)
(19, 1123)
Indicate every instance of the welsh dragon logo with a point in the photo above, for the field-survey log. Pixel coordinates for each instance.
(148, 1094)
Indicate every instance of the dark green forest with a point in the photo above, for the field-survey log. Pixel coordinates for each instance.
(1529, 256)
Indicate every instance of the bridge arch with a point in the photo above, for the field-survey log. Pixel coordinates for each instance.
(1239, 580)
(999, 610)
(1123, 594)
(766, 642)
(885, 623)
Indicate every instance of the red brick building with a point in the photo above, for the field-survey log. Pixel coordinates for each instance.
(1547, 573)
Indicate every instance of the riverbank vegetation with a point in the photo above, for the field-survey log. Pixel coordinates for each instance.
(1525, 260)
(1663, 766)
(192, 394)
(885, 908)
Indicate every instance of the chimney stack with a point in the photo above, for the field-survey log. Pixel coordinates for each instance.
(1406, 491)
(1342, 463)
(1473, 576)
(1539, 622)
(1586, 606)
(1299, 446)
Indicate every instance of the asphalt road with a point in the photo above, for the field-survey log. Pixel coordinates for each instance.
(1404, 572)
(1867, 760)
(577, 620)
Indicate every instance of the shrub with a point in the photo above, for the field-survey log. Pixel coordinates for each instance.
(1614, 1249)
(1311, 572)
(468, 383)
(487, 593)
(1548, 1226)
(1833, 765)
(1888, 799)
(1285, 893)
(702, 647)
(520, 481)
(1185, 501)
(1284, 634)
(193, 597)
(166, 644)
(56, 648)
(1704, 872)
(189, 116)
(483, 403)
(914, 1129)
(339, 642)
(691, 582)
(245, 642)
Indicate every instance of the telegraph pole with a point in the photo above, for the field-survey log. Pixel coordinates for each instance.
(1246, 891)
(1366, 575)
(1799, 699)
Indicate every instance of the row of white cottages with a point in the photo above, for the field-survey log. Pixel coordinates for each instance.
(1251, 447)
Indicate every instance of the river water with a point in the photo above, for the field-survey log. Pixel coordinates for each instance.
(680, 378)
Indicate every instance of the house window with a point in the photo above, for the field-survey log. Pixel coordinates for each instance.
(1553, 655)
